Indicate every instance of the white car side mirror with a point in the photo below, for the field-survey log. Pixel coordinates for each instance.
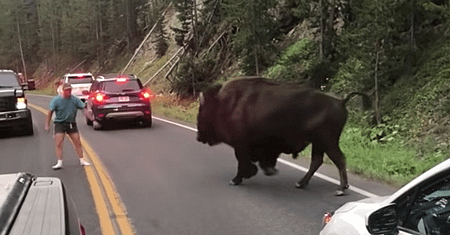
(383, 220)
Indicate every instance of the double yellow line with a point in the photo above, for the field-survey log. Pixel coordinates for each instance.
(106, 198)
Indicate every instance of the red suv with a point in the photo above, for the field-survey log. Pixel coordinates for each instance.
(118, 97)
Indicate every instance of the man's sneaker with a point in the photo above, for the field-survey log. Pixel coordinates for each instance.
(57, 166)
(84, 162)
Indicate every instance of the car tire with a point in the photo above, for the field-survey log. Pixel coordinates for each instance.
(97, 125)
(28, 129)
(88, 122)
(147, 122)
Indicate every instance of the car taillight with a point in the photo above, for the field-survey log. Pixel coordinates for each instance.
(99, 98)
(146, 95)
(121, 80)
(326, 218)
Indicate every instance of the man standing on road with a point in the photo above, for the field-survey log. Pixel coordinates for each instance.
(65, 108)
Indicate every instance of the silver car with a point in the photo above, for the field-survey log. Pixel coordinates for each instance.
(420, 207)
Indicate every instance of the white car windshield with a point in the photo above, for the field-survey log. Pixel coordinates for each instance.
(80, 79)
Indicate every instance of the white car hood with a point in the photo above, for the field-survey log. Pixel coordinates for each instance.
(351, 217)
(365, 203)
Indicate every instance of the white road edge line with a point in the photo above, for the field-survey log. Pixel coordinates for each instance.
(319, 175)
(174, 123)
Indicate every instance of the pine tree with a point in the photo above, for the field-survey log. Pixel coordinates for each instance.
(161, 39)
(256, 31)
(185, 9)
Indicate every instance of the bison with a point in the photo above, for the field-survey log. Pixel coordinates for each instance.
(261, 119)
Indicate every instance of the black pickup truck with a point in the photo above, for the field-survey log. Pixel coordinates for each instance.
(14, 112)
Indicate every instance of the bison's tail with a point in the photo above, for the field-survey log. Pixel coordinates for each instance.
(367, 103)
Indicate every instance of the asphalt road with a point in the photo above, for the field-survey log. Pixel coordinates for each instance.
(171, 184)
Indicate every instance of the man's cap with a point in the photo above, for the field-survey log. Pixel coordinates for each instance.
(66, 86)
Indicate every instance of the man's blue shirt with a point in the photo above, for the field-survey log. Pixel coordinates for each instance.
(65, 109)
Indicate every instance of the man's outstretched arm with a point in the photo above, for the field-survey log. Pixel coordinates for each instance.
(48, 120)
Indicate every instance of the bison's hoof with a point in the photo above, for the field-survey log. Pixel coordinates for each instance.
(235, 181)
(270, 171)
(300, 185)
(339, 192)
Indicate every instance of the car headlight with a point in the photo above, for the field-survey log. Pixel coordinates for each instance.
(21, 103)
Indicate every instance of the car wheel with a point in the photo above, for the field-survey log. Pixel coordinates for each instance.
(147, 122)
(28, 129)
(88, 122)
(96, 125)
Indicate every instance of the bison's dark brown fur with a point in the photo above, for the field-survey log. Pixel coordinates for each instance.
(261, 119)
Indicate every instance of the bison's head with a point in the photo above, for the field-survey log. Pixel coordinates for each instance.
(207, 117)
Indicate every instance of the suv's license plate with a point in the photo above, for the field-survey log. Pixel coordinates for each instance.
(124, 98)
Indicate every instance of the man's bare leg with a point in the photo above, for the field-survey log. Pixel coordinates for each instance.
(75, 137)
(59, 142)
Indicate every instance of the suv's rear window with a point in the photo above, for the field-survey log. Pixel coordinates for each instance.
(126, 86)
(80, 79)
(8, 79)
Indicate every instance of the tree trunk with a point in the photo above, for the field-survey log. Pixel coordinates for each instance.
(21, 51)
(321, 31)
(53, 42)
(194, 24)
(330, 30)
(377, 48)
(413, 43)
(377, 100)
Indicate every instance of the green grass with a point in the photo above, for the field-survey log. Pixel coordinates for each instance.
(174, 108)
(390, 162)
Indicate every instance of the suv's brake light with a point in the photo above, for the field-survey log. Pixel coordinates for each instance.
(146, 95)
(99, 98)
(121, 80)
